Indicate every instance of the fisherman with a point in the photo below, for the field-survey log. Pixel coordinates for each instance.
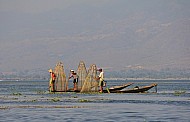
(101, 79)
(75, 79)
(52, 80)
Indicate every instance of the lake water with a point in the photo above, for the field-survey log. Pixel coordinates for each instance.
(23, 101)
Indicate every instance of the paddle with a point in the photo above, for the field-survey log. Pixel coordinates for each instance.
(156, 88)
(107, 89)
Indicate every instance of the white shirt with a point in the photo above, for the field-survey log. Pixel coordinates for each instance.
(101, 76)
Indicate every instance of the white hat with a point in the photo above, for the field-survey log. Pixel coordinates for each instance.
(72, 70)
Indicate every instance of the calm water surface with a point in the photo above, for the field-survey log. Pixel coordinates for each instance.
(23, 101)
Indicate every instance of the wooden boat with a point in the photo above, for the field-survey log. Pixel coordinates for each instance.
(138, 89)
(117, 88)
(111, 89)
(121, 89)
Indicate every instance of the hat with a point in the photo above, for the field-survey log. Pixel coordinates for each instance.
(72, 70)
(100, 69)
(50, 70)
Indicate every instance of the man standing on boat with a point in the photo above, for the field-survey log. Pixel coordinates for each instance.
(52, 80)
(101, 79)
(75, 79)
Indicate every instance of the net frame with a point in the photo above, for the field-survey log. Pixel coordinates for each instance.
(61, 84)
(90, 83)
(82, 73)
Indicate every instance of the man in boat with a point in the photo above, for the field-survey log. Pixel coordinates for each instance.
(75, 79)
(52, 80)
(101, 79)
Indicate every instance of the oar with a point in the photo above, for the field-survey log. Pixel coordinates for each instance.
(156, 88)
(107, 89)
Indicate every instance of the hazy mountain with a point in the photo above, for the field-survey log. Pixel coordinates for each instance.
(112, 34)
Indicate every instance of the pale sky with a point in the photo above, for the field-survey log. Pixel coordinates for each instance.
(37, 6)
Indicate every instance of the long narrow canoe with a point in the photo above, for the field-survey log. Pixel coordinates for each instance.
(112, 89)
(117, 88)
(138, 89)
(121, 89)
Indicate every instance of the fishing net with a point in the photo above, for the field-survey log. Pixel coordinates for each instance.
(82, 73)
(60, 83)
(90, 83)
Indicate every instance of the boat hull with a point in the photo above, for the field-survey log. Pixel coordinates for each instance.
(116, 88)
(119, 89)
(138, 90)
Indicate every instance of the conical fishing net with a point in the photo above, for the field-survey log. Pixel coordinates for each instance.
(60, 82)
(90, 83)
(82, 73)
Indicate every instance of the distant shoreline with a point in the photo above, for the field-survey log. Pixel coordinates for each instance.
(124, 79)
(147, 79)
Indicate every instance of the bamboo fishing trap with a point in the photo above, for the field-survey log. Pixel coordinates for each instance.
(87, 80)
